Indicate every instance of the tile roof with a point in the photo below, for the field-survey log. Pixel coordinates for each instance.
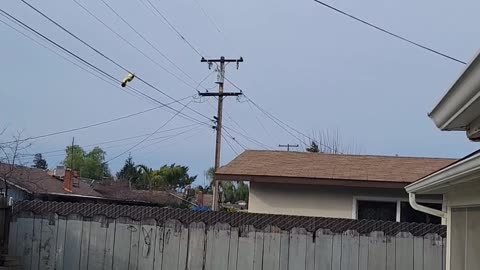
(257, 163)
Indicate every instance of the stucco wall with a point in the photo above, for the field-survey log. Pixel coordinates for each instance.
(309, 200)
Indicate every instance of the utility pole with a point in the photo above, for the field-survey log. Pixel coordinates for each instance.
(288, 146)
(72, 153)
(221, 63)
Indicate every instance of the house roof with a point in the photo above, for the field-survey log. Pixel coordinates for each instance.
(37, 181)
(121, 191)
(328, 169)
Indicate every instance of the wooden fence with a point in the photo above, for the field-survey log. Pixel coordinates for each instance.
(75, 242)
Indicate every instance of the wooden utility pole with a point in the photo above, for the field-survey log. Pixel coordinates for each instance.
(288, 146)
(221, 94)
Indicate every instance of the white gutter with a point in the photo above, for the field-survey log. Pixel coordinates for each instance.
(424, 209)
(454, 111)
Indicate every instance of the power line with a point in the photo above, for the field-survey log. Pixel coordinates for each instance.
(76, 37)
(234, 139)
(230, 145)
(157, 139)
(250, 139)
(107, 74)
(175, 135)
(91, 125)
(277, 121)
(172, 27)
(136, 48)
(122, 139)
(150, 135)
(153, 46)
(390, 33)
(106, 57)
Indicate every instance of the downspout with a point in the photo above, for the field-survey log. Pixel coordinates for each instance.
(424, 209)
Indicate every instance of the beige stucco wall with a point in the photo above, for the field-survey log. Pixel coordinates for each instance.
(310, 200)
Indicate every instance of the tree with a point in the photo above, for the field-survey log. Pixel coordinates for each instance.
(313, 147)
(176, 176)
(74, 158)
(128, 172)
(11, 153)
(149, 179)
(330, 142)
(91, 165)
(39, 162)
(242, 192)
(228, 191)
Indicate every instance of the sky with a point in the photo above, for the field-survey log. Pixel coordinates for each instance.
(311, 67)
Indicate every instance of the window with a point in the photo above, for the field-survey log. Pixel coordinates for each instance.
(392, 209)
(375, 210)
(408, 214)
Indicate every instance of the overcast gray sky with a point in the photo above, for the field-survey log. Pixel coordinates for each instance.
(311, 67)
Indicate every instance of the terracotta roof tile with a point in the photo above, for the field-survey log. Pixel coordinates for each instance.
(329, 166)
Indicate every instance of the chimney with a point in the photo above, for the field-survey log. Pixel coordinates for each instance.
(199, 198)
(68, 181)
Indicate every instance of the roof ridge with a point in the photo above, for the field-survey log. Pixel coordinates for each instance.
(352, 155)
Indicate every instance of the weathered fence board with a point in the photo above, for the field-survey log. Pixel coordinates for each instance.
(271, 248)
(96, 249)
(158, 261)
(298, 249)
(171, 245)
(246, 248)
(233, 249)
(60, 246)
(74, 242)
(404, 251)
(350, 244)
(196, 246)
(323, 249)
(418, 253)
(377, 248)
(48, 243)
(148, 233)
(363, 253)
(390, 253)
(134, 240)
(284, 244)
(121, 249)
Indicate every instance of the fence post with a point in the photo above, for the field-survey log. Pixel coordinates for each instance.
(4, 224)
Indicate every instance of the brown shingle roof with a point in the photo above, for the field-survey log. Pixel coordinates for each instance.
(281, 164)
(120, 191)
(37, 181)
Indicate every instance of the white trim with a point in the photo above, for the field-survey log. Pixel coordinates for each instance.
(460, 96)
(397, 200)
(462, 171)
(399, 210)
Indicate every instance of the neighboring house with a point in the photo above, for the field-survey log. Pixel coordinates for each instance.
(26, 183)
(326, 185)
(458, 110)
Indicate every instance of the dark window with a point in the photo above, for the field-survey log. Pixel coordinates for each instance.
(377, 210)
(408, 214)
